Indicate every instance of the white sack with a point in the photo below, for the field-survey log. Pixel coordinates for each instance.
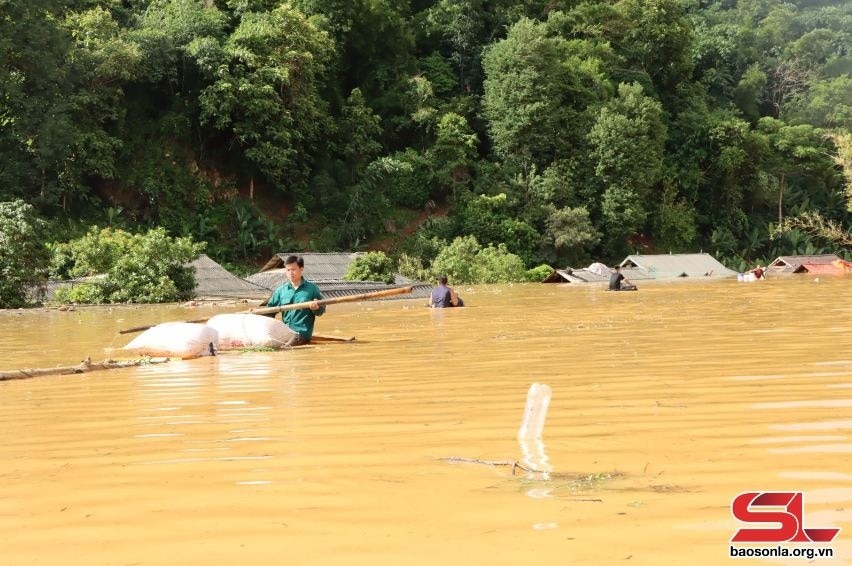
(245, 330)
(175, 340)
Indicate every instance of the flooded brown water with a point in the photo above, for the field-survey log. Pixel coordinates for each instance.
(667, 403)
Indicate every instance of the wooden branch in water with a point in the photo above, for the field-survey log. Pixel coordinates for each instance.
(515, 465)
(83, 367)
(570, 476)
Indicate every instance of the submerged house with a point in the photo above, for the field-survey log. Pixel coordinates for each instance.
(638, 267)
(822, 263)
(668, 266)
(213, 280)
(595, 273)
(327, 271)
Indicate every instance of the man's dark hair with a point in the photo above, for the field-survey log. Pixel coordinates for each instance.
(295, 259)
(617, 268)
(442, 279)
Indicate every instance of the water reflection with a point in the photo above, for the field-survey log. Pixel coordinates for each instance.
(666, 404)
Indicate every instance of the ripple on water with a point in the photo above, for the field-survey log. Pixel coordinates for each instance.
(840, 448)
(816, 475)
(840, 424)
(805, 404)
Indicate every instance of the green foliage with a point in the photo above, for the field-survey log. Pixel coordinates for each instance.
(688, 123)
(368, 204)
(655, 37)
(23, 255)
(569, 234)
(453, 153)
(410, 186)
(465, 261)
(429, 238)
(412, 267)
(359, 131)
(496, 265)
(371, 266)
(456, 260)
(827, 103)
(539, 273)
(524, 94)
(127, 268)
(266, 94)
(676, 223)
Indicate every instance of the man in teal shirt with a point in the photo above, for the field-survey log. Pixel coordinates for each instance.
(297, 290)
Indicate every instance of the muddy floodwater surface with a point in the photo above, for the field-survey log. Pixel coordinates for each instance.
(666, 404)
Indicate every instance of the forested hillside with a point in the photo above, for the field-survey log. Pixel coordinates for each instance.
(566, 130)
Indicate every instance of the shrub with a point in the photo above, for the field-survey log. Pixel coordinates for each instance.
(412, 267)
(465, 261)
(371, 266)
(456, 260)
(538, 274)
(23, 255)
(135, 268)
(497, 265)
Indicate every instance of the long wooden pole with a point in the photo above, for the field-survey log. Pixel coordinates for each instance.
(298, 306)
(333, 301)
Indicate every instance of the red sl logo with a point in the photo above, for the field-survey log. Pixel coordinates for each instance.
(786, 508)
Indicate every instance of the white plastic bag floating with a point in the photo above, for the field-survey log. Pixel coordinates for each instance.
(245, 330)
(175, 340)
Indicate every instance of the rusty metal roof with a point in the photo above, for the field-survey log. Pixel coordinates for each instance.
(826, 268)
(792, 263)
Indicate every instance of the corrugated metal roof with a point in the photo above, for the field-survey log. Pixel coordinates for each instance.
(271, 279)
(318, 266)
(331, 290)
(584, 275)
(793, 262)
(213, 280)
(48, 291)
(274, 278)
(665, 266)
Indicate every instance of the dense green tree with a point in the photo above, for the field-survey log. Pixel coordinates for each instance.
(569, 235)
(34, 117)
(524, 102)
(267, 96)
(359, 130)
(253, 122)
(800, 158)
(655, 38)
(627, 141)
(827, 103)
(454, 153)
(23, 255)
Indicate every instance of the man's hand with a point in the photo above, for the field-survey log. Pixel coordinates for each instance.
(314, 305)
